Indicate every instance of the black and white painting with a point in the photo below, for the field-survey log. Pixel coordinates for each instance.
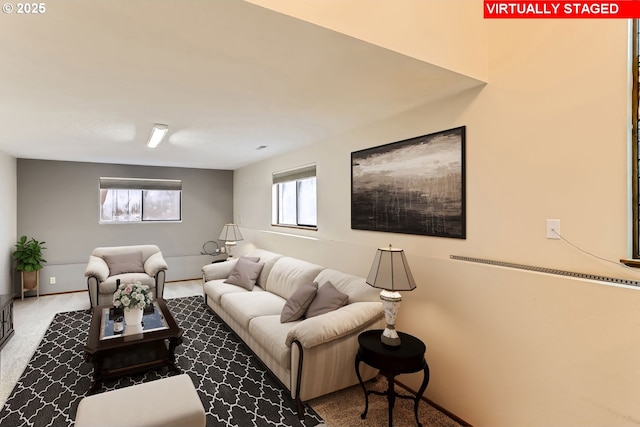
(415, 186)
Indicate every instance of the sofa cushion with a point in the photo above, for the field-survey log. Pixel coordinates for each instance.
(288, 274)
(109, 285)
(215, 289)
(124, 263)
(327, 299)
(147, 250)
(269, 259)
(298, 303)
(245, 273)
(244, 306)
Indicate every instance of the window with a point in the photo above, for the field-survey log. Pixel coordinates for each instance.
(294, 196)
(134, 200)
(635, 137)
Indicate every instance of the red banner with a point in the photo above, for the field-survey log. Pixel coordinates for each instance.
(624, 9)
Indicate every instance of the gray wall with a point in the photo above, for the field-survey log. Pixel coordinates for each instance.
(58, 202)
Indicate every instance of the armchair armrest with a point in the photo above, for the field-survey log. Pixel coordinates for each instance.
(155, 264)
(350, 319)
(97, 268)
(218, 270)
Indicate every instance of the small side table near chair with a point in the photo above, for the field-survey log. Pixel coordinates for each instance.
(406, 358)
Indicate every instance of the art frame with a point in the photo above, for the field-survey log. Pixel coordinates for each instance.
(414, 186)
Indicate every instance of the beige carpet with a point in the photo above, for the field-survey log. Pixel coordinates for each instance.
(343, 409)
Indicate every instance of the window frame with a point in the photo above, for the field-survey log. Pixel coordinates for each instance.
(141, 185)
(295, 175)
(635, 98)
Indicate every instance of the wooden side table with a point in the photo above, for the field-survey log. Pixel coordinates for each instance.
(391, 361)
(6, 317)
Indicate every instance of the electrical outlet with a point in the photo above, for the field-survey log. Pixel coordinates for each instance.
(52, 280)
(553, 227)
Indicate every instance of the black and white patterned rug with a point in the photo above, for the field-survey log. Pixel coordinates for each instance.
(234, 387)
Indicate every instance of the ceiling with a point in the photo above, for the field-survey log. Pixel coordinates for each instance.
(86, 80)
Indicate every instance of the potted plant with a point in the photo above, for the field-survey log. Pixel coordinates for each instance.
(28, 255)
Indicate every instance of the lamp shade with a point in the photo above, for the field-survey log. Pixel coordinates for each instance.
(390, 271)
(230, 233)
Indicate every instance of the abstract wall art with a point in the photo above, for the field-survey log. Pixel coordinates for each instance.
(415, 186)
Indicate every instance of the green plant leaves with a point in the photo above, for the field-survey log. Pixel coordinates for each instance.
(28, 254)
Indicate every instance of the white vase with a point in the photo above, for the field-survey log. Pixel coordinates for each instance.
(133, 316)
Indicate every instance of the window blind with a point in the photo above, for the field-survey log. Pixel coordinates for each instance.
(107, 183)
(302, 172)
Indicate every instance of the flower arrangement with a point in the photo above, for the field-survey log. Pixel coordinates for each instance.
(132, 295)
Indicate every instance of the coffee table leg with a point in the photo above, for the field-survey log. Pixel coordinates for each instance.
(173, 343)
(96, 381)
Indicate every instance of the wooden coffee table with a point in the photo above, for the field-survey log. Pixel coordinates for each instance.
(115, 355)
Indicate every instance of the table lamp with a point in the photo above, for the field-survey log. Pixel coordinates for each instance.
(390, 272)
(230, 234)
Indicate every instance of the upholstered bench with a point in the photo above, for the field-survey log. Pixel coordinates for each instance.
(171, 401)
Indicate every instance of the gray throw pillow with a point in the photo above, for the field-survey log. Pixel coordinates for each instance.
(327, 299)
(124, 263)
(298, 303)
(251, 258)
(245, 273)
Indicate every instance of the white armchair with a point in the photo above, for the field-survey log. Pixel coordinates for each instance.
(142, 263)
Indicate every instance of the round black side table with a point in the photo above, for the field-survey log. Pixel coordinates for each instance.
(406, 358)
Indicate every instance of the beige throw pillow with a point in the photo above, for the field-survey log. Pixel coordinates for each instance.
(124, 263)
(298, 303)
(245, 273)
(327, 299)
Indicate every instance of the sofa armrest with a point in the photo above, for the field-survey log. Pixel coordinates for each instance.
(350, 319)
(218, 270)
(154, 264)
(98, 268)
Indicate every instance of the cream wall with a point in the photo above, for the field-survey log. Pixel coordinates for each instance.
(546, 138)
(8, 219)
(450, 34)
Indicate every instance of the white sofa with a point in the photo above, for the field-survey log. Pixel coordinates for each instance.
(312, 356)
(142, 263)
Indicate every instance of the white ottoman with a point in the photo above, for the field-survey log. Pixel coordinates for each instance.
(171, 402)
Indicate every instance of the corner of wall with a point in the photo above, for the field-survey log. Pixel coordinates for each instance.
(8, 219)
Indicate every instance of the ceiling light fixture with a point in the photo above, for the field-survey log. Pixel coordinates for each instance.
(157, 133)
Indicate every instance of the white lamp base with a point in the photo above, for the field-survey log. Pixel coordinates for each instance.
(390, 305)
(230, 246)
